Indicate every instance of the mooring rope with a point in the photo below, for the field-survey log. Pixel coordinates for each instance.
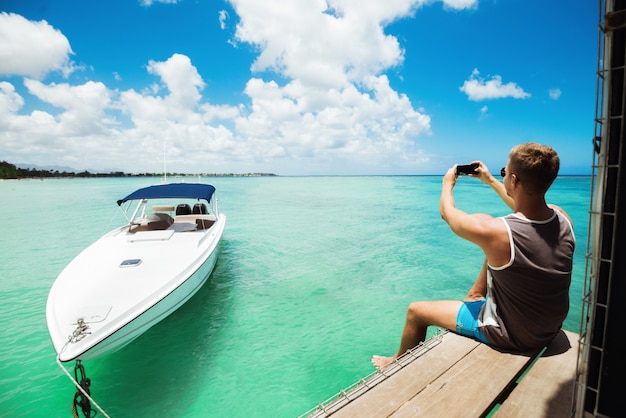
(77, 335)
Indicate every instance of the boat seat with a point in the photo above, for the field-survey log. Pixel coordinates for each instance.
(164, 221)
(199, 208)
(153, 222)
(204, 223)
(162, 208)
(183, 209)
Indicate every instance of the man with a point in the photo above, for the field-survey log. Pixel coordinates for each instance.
(521, 296)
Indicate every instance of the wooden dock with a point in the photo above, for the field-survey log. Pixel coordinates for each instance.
(455, 376)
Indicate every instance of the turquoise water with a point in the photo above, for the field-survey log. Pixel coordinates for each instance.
(314, 277)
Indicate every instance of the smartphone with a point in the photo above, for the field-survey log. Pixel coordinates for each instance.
(465, 169)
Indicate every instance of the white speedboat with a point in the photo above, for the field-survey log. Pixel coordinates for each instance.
(137, 274)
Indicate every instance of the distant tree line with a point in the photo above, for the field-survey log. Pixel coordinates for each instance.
(10, 171)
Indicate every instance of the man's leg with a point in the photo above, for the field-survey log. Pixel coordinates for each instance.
(419, 316)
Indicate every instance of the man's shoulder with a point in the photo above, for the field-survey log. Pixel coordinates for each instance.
(488, 228)
(560, 210)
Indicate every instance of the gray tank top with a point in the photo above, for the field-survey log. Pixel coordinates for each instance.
(528, 298)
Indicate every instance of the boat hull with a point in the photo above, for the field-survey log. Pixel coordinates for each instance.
(164, 270)
(153, 315)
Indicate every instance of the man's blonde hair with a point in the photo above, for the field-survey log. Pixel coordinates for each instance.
(535, 165)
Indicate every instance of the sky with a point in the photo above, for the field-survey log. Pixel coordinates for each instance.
(295, 87)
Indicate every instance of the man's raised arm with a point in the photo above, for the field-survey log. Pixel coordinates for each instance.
(486, 177)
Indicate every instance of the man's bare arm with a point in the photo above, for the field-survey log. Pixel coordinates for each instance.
(469, 226)
(486, 177)
(484, 230)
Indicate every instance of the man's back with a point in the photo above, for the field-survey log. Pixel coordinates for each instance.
(528, 298)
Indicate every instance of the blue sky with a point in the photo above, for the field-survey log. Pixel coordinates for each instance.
(295, 87)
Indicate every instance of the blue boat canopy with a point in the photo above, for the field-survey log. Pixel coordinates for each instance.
(173, 190)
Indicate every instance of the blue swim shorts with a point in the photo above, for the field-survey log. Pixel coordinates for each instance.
(467, 320)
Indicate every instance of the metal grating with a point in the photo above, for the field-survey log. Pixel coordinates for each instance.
(601, 365)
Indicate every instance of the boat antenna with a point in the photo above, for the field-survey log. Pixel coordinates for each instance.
(164, 163)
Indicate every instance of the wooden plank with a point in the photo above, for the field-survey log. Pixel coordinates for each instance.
(388, 396)
(547, 389)
(470, 387)
(457, 376)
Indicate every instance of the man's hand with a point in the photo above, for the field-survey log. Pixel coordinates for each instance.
(483, 173)
(449, 179)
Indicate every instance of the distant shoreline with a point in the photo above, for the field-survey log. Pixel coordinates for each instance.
(10, 171)
(105, 175)
(241, 175)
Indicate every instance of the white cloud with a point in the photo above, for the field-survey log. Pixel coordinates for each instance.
(223, 16)
(83, 106)
(182, 80)
(149, 3)
(555, 94)
(461, 4)
(478, 89)
(344, 122)
(484, 112)
(32, 49)
(89, 98)
(78, 134)
(10, 101)
(300, 41)
(333, 109)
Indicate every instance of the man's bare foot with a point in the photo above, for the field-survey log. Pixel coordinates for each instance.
(381, 362)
